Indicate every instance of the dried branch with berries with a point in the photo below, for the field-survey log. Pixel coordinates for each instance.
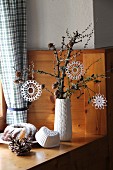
(69, 73)
(68, 68)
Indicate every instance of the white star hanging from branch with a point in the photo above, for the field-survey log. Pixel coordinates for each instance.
(99, 101)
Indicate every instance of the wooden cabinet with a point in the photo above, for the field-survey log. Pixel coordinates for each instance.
(92, 144)
(82, 153)
(85, 118)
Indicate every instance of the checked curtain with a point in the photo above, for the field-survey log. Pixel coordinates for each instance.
(13, 56)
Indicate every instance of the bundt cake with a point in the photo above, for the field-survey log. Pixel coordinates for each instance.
(18, 131)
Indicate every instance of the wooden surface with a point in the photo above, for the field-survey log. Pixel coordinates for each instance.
(69, 154)
(84, 117)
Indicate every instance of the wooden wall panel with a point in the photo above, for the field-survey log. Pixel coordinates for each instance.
(84, 117)
(41, 112)
(95, 118)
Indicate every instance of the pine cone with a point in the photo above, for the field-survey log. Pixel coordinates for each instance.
(20, 146)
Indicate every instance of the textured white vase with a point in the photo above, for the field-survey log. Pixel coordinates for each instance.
(62, 121)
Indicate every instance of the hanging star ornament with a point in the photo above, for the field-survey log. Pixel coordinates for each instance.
(99, 101)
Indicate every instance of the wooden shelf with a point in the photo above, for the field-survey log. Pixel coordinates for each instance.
(92, 145)
(40, 157)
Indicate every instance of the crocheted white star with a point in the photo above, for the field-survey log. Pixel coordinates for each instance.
(75, 70)
(31, 90)
(99, 101)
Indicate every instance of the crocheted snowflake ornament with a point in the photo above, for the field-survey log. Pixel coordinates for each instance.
(75, 70)
(31, 90)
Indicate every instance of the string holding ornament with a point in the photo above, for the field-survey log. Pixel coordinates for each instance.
(31, 90)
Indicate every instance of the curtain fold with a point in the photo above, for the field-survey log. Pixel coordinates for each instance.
(13, 56)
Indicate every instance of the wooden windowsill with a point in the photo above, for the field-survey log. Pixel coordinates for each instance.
(2, 123)
(39, 155)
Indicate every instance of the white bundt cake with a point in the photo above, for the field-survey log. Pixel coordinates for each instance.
(20, 130)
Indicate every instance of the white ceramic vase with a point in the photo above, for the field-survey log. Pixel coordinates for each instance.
(62, 121)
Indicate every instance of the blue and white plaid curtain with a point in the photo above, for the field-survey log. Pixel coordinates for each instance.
(13, 54)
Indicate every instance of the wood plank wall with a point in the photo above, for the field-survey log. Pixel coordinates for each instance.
(95, 118)
(84, 117)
